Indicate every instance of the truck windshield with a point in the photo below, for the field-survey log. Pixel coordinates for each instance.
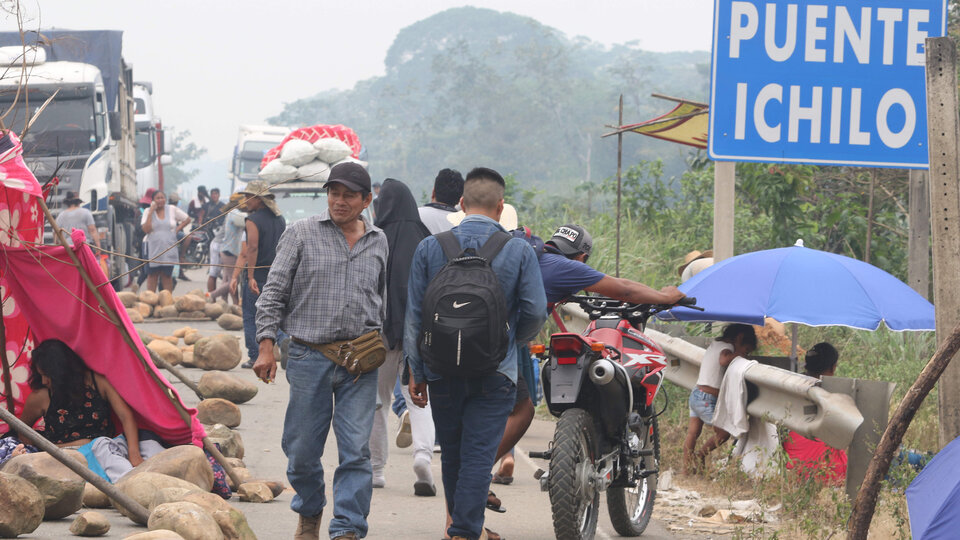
(65, 127)
(296, 206)
(146, 148)
(252, 166)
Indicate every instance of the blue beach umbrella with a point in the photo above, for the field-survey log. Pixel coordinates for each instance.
(933, 498)
(807, 286)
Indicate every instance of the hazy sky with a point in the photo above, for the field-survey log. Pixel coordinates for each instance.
(217, 64)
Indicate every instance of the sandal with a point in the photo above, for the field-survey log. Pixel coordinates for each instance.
(492, 535)
(494, 503)
(502, 480)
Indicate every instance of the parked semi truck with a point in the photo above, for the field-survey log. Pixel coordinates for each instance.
(84, 138)
(153, 144)
(252, 143)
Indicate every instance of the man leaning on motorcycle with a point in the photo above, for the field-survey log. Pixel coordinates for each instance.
(563, 265)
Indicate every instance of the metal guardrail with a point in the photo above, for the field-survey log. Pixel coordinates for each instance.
(794, 400)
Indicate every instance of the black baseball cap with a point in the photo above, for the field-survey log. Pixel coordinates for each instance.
(572, 240)
(350, 174)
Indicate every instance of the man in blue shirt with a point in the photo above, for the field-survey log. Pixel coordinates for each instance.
(563, 266)
(470, 413)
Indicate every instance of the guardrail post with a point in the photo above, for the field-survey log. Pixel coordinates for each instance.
(873, 400)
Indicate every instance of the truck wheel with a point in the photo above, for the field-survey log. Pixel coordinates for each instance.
(118, 264)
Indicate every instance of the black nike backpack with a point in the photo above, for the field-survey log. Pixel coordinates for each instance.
(464, 312)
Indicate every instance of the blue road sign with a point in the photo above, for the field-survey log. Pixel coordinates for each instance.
(836, 82)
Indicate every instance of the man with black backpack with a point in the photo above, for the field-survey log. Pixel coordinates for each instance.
(474, 292)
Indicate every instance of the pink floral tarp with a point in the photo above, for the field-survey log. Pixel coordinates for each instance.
(54, 301)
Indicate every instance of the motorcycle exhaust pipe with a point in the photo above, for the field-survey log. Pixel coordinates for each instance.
(602, 372)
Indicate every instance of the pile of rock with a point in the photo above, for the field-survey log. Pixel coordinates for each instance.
(217, 352)
(174, 486)
(193, 305)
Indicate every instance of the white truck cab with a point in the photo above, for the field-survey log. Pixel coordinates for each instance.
(252, 143)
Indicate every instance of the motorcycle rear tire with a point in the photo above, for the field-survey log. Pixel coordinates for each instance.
(574, 503)
(630, 508)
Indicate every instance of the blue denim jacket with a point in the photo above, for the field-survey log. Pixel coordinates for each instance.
(519, 273)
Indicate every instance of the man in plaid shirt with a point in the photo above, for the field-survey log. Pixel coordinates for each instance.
(327, 283)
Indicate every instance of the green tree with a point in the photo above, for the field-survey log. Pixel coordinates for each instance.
(184, 152)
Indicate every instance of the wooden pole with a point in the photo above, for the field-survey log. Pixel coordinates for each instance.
(866, 501)
(943, 128)
(7, 382)
(724, 191)
(619, 181)
(115, 319)
(107, 488)
(163, 364)
(109, 311)
(918, 240)
(873, 185)
(215, 452)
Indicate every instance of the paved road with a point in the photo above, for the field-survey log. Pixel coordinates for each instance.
(396, 513)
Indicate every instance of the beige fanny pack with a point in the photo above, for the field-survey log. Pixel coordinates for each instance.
(358, 356)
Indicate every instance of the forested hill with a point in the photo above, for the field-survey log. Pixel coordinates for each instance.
(472, 86)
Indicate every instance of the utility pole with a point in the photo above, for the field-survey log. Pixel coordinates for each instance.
(724, 187)
(943, 127)
(918, 240)
(619, 181)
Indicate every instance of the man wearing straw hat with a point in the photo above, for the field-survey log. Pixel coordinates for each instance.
(264, 225)
(75, 217)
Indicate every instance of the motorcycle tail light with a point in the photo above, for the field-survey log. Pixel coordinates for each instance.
(567, 348)
(597, 346)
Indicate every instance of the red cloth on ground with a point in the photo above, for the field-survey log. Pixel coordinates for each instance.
(815, 455)
(56, 303)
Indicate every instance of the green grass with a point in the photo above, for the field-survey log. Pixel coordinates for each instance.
(650, 253)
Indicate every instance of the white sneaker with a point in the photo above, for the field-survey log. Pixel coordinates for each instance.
(404, 435)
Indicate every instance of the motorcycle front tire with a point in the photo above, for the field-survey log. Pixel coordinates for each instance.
(630, 508)
(574, 503)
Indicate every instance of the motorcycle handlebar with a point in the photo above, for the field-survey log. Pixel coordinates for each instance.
(609, 305)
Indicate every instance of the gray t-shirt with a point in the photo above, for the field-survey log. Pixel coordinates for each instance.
(76, 218)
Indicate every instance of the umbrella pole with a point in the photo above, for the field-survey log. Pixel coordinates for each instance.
(794, 338)
(109, 311)
(107, 488)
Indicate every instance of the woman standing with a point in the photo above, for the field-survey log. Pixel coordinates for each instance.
(161, 223)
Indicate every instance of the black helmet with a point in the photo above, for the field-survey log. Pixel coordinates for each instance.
(572, 240)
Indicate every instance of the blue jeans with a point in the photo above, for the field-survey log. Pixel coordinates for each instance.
(320, 391)
(702, 406)
(469, 414)
(399, 404)
(249, 309)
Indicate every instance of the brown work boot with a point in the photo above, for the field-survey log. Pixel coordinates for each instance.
(348, 536)
(308, 528)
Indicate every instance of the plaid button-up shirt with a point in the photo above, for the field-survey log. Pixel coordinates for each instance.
(318, 289)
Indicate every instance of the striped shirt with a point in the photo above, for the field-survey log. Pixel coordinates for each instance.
(318, 289)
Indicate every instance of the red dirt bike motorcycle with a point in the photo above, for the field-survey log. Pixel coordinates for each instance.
(602, 385)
